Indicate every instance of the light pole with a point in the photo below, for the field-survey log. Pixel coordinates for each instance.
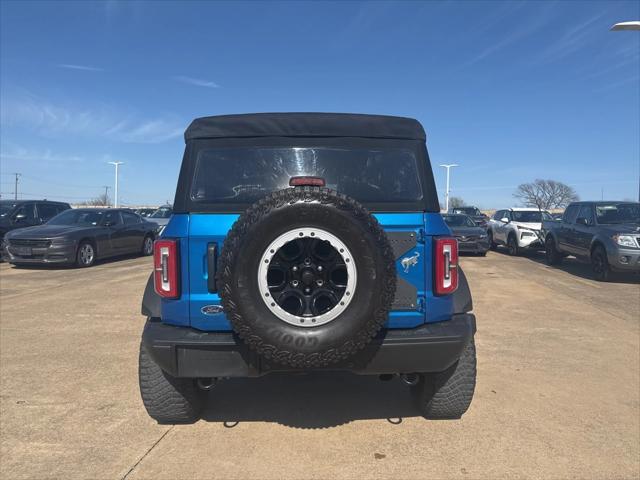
(446, 192)
(634, 25)
(115, 190)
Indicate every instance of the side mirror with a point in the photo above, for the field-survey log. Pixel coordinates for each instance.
(19, 217)
(582, 221)
(109, 224)
(504, 220)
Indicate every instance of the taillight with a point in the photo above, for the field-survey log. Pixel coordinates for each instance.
(306, 182)
(446, 260)
(165, 268)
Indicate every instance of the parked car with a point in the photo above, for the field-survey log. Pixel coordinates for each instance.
(474, 212)
(26, 213)
(517, 228)
(161, 217)
(81, 236)
(471, 237)
(145, 212)
(606, 234)
(263, 269)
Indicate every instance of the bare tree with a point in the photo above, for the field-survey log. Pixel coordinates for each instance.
(545, 194)
(99, 201)
(456, 202)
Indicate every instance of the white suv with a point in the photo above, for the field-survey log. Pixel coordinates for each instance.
(517, 228)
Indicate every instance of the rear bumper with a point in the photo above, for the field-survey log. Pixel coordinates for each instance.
(186, 352)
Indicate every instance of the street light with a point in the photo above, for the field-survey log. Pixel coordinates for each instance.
(115, 195)
(626, 26)
(635, 25)
(446, 192)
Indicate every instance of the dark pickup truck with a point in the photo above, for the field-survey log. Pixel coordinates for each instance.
(606, 234)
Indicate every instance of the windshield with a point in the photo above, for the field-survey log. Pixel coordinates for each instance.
(530, 216)
(6, 207)
(458, 221)
(466, 210)
(161, 213)
(618, 213)
(244, 175)
(77, 217)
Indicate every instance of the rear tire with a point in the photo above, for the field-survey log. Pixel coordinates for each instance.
(552, 255)
(147, 246)
(168, 399)
(448, 394)
(600, 264)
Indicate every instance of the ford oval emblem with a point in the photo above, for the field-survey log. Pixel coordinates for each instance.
(211, 309)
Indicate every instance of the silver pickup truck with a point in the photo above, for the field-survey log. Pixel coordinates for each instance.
(606, 234)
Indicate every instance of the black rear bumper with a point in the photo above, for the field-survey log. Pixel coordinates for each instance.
(186, 352)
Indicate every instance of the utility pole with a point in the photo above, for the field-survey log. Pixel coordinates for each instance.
(15, 190)
(106, 195)
(115, 195)
(446, 192)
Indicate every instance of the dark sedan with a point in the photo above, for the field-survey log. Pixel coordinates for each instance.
(476, 215)
(80, 237)
(471, 238)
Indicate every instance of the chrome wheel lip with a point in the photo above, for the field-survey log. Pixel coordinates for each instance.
(86, 254)
(272, 250)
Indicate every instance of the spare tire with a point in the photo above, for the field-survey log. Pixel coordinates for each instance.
(307, 277)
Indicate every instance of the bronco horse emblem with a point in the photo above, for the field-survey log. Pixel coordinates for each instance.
(411, 261)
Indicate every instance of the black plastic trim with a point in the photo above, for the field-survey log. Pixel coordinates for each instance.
(186, 352)
(151, 301)
(212, 260)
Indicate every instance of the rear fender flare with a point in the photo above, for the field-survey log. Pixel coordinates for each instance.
(151, 301)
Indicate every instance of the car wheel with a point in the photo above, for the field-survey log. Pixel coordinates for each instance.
(307, 277)
(492, 245)
(168, 399)
(448, 394)
(512, 246)
(147, 246)
(552, 255)
(600, 264)
(86, 255)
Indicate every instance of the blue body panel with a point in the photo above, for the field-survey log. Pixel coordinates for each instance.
(195, 231)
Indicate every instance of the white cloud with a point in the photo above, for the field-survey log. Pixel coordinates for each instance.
(80, 67)
(195, 81)
(55, 121)
(20, 154)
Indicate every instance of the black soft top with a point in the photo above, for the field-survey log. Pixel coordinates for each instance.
(305, 125)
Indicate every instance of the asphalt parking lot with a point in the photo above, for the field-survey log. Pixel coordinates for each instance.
(557, 396)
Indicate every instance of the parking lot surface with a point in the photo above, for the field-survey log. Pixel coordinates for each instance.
(557, 395)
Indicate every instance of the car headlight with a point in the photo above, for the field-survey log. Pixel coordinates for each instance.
(625, 240)
(484, 235)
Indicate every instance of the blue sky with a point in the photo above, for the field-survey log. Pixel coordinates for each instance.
(511, 91)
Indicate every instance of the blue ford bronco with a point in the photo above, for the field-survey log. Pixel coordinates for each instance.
(303, 242)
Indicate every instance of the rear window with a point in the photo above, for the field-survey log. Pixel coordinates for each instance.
(244, 175)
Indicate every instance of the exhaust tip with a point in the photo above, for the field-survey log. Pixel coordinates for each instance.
(206, 383)
(410, 378)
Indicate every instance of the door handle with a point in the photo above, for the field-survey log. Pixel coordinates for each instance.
(212, 260)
